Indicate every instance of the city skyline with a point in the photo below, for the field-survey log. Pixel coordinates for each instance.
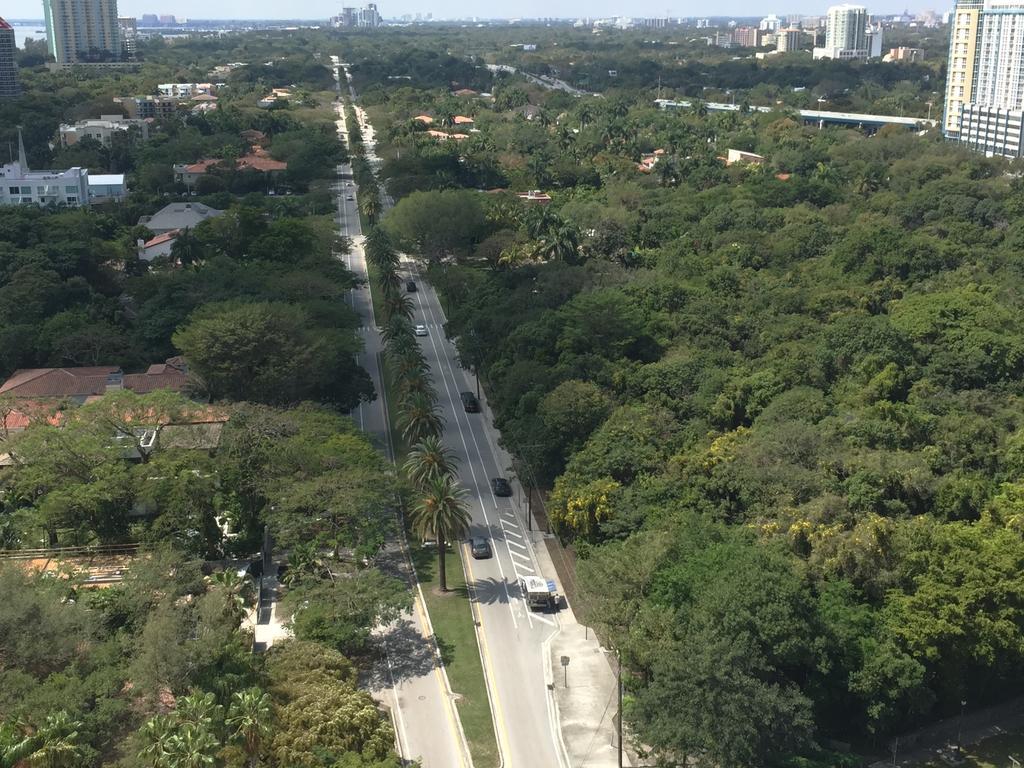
(451, 9)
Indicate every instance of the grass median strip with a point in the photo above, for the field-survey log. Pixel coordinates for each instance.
(450, 614)
(452, 618)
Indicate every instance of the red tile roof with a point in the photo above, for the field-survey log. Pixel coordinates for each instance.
(463, 120)
(160, 239)
(88, 381)
(5, 25)
(263, 164)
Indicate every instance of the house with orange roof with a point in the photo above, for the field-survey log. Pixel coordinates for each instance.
(258, 160)
(158, 246)
(463, 120)
(465, 92)
(425, 119)
(78, 385)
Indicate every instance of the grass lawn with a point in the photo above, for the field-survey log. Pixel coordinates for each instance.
(453, 626)
(993, 752)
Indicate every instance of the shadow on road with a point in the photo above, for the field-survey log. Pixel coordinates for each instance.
(411, 655)
(490, 591)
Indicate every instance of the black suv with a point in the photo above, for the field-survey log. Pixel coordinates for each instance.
(410, 286)
(500, 486)
(469, 402)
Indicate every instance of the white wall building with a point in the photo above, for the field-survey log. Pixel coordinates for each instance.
(185, 90)
(770, 23)
(102, 129)
(20, 186)
(985, 82)
(845, 33)
(107, 188)
(82, 30)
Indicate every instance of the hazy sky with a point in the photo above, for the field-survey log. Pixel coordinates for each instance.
(313, 9)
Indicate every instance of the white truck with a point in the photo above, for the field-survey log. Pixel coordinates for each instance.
(540, 594)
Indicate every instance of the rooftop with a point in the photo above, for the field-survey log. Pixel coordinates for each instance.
(178, 216)
(84, 382)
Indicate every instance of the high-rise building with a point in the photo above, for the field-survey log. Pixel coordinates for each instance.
(367, 18)
(82, 30)
(789, 40)
(770, 23)
(747, 37)
(8, 69)
(845, 33)
(985, 85)
(129, 29)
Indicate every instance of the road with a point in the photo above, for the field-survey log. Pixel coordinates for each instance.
(545, 81)
(513, 640)
(410, 680)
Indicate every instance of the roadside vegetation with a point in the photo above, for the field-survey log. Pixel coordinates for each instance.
(774, 401)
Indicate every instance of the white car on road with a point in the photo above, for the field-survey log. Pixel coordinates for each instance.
(420, 330)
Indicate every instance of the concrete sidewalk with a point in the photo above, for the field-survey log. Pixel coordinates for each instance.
(268, 627)
(585, 708)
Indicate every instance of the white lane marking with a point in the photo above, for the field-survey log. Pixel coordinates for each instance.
(516, 543)
(516, 554)
(472, 471)
(513, 533)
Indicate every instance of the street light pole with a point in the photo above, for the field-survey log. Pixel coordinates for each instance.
(618, 683)
(960, 728)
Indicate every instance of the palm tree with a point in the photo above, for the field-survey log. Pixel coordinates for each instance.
(396, 331)
(418, 418)
(585, 113)
(156, 734)
(562, 244)
(55, 743)
(186, 248)
(370, 205)
(390, 282)
(192, 746)
(399, 305)
(542, 221)
(442, 514)
(428, 460)
(15, 745)
(446, 118)
(198, 709)
(236, 589)
(410, 370)
(249, 715)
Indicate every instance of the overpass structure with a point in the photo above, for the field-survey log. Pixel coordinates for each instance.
(818, 117)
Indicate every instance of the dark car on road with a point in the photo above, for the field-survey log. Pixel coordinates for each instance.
(410, 286)
(501, 486)
(469, 402)
(480, 548)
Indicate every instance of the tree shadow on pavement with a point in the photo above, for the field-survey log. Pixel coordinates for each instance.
(490, 591)
(411, 655)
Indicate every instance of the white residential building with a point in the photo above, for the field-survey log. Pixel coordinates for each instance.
(985, 80)
(185, 90)
(102, 129)
(846, 34)
(21, 186)
(82, 30)
(107, 188)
